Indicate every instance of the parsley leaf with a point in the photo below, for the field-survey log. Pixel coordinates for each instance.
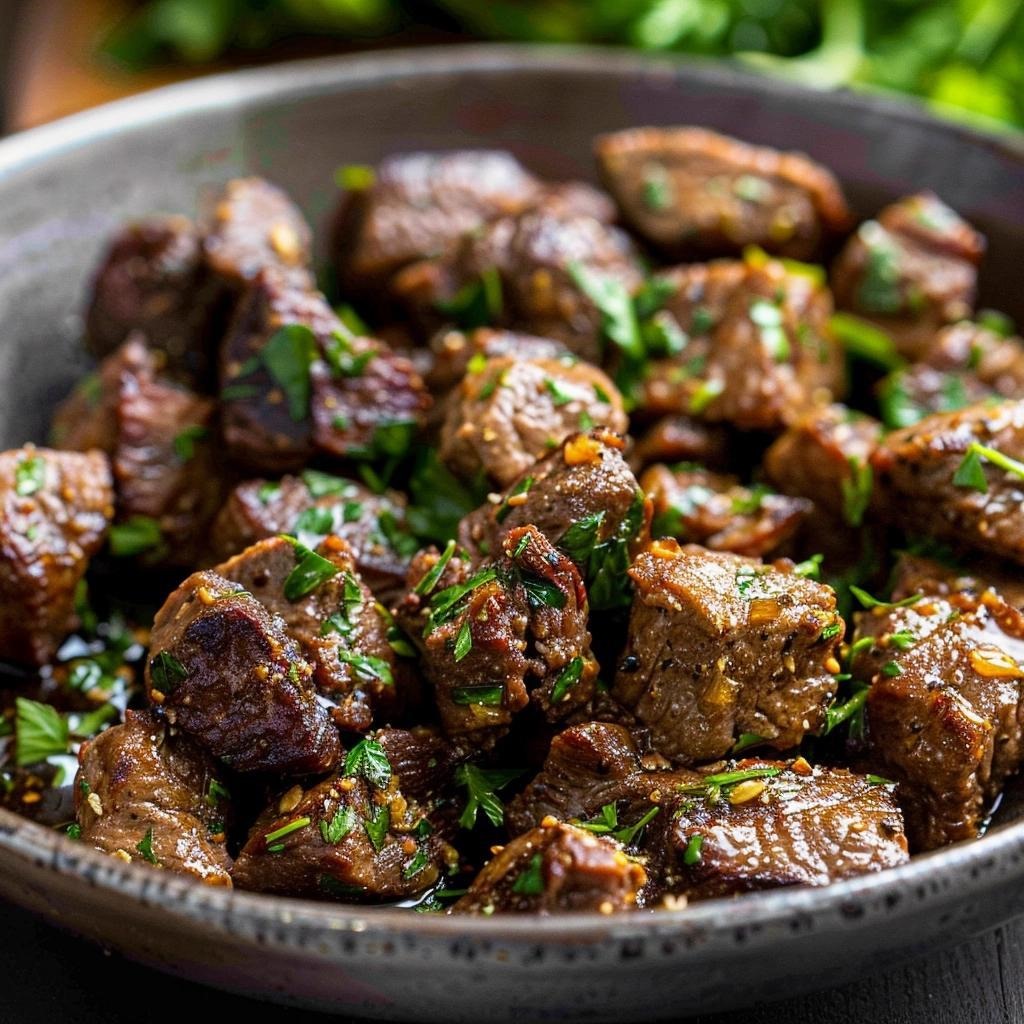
(311, 570)
(856, 489)
(615, 304)
(339, 826)
(135, 536)
(464, 641)
(39, 730)
(566, 680)
(477, 304)
(482, 786)
(165, 672)
(30, 476)
(867, 601)
(368, 759)
(377, 827)
(288, 356)
(530, 881)
(367, 667)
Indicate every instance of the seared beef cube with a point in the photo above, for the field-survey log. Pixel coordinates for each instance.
(144, 795)
(254, 225)
(824, 456)
(715, 510)
(354, 837)
(152, 280)
(911, 270)
(510, 412)
(454, 353)
(540, 260)
(367, 401)
(720, 646)
(313, 506)
(584, 499)
(956, 476)
(225, 671)
(554, 869)
(765, 824)
(699, 297)
(160, 438)
(589, 767)
(55, 508)
(683, 439)
(690, 191)
(420, 202)
(917, 574)
(342, 632)
(963, 364)
(943, 708)
(492, 640)
(264, 428)
(422, 758)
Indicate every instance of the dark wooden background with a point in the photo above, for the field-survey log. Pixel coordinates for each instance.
(47, 977)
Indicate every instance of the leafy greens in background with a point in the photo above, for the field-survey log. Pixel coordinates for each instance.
(963, 57)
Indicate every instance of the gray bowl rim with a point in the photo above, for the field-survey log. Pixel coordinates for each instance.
(976, 866)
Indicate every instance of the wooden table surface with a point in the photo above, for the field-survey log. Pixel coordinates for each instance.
(50, 977)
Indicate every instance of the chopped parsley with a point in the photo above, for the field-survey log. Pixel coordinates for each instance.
(482, 785)
(145, 847)
(433, 575)
(892, 669)
(165, 672)
(311, 570)
(809, 568)
(346, 361)
(852, 709)
(867, 601)
(879, 288)
(657, 189)
(692, 853)
(558, 393)
(377, 827)
(185, 441)
(505, 508)
(866, 342)
(39, 730)
(746, 741)
(607, 824)
(320, 484)
(566, 680)
(368, 759)
(30, 476)
(856, 490)
(445, 604)
(464, 641)
(478, 303)
(970, 473)
(615, 304)
(416, 865)
(541, 592)
(487, 695)
(288, 356)
(339, 826)
(367, 667)
(707, 391)
(768, 318)
(354, 177)
(135, 536)
(530, 881)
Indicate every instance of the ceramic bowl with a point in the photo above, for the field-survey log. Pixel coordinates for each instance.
(65, 187)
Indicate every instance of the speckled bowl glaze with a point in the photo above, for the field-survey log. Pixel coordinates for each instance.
(65, 187)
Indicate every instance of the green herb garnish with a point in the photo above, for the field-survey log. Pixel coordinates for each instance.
(185, 441)
(39, 730)
(369, 759)
(530, 881)
(339, 826)
(135, 536)
(311, 570)
(165, 672)
(566, 680)
(288, 356)
(30, 476)
(490, 696)
(482, 785)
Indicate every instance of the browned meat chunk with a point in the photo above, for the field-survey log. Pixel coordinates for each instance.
(911, 270)
(963, 364)
(958, 476)
(530, 269)
(161, 439)
(152, 280)
(683, 439)
(55, 508)
(715, 510)
(455, 352)
(769, 354)
(765, 824)
(495, 639)
(254, 225)
(294, 379)
(337, 623)
(146, 796)
(917, 574)
(824, 456)
(943, 708)
(418, 203)
(585, 500)
(510, 412)
(225, 671)
(555, 868)
(314, 505)
(691, 191)
(589, 767)
(354, 837)
(720, 646)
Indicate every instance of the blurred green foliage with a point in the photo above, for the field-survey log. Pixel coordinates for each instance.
(963, 57)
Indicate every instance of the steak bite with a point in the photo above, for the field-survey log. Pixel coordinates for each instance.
(691, 192)
(910, 271)
(55, 508)
(715, 510)
(683, 439)
(160, 438)
(495, 639)
(418, 203)
(534, 271)
(341, 630)
(152, 280)
(225, 671)
(765, 824)
(253, 226)
(313, 505)
(764, 352)
(510, 412)
(824, 456)
(144, 795)
(555, 868)
(943, 709)
(720, 646)
(957, 476)
(355, 837)
(584, 499)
